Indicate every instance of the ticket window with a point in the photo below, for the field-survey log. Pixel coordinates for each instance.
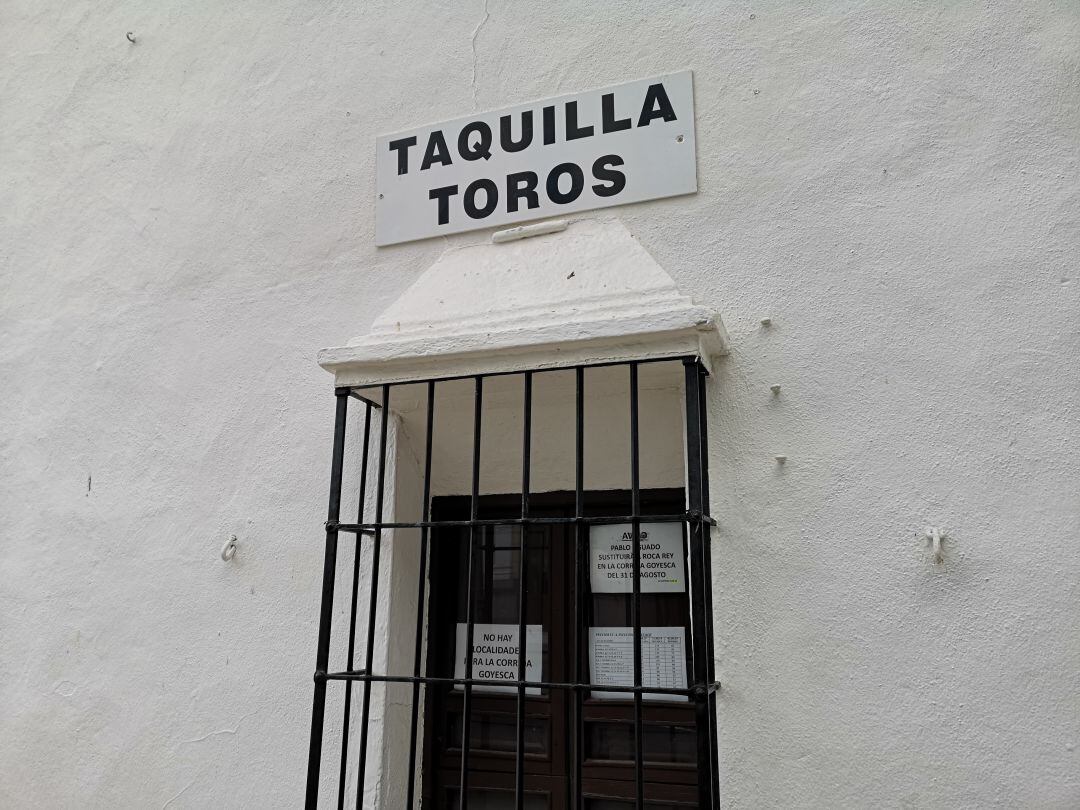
(546, 669)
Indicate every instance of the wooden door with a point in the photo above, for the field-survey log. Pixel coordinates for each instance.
(551, 745)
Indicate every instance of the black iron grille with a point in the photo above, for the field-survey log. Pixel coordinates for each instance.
(701, 689)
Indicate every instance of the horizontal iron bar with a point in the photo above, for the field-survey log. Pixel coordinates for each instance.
(367, 528)
(607, 364)
(363, 399)
(361, 675)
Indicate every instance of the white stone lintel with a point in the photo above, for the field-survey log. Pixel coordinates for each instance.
(589, 295)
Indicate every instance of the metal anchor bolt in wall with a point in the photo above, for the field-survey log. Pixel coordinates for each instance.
(935, 537)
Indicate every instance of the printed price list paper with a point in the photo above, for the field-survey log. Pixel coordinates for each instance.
(663, 660)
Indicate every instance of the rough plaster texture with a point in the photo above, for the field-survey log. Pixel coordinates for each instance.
(186, 220)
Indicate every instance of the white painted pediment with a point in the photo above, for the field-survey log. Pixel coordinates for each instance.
(590, 293)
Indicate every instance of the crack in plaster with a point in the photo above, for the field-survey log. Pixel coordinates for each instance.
(210, 734)
(472, 42)
(178, 795)
(455, 248)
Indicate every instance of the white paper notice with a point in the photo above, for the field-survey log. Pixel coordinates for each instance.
(663, 660)
(495, 655)
(611, 558)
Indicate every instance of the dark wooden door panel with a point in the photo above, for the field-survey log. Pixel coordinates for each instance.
(669, 733)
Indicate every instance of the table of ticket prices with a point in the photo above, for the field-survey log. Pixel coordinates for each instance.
(663, 660)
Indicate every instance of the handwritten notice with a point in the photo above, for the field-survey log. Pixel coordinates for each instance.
(495, 655)
(663, 564)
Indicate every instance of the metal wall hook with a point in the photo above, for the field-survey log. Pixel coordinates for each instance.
(130, 37)
(228, 551)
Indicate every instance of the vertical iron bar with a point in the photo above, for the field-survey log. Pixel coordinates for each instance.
(466, 711)
(374, 595)
(420, 592)
(526, 454)
(581, 536)
(635, 494)
(352, 609)
(703, 421)
(487, 543)
(326, 609)
(699, 608)
(526, 445)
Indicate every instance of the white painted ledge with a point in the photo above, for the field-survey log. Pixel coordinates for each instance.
(589, 294)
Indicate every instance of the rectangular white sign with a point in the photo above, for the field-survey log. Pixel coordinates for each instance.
(663, 660)
(495, 655)
(611, 560)
(617, 145)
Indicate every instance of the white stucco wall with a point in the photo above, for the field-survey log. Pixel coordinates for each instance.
(186, 220)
